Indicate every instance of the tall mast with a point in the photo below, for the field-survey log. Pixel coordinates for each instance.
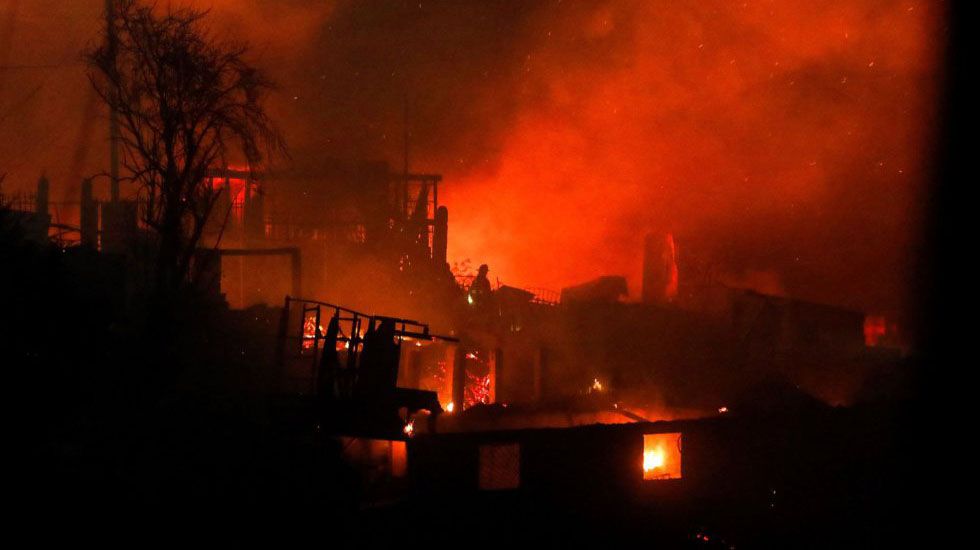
(405, 168)
(113, 115)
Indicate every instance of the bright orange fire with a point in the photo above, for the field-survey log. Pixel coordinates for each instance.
(662, 456)
(309, 331)
(653, 459)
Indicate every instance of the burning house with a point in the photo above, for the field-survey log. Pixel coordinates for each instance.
(251, 325)
(523, 359)
(350, 221)
(375, 240)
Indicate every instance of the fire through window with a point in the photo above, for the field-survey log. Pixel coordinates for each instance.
(662, 456)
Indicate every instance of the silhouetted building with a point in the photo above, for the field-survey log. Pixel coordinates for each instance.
(609, 288)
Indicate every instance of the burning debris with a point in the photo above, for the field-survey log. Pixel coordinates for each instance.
(583, 395)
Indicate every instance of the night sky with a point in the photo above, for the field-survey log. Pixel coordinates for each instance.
(784, 143)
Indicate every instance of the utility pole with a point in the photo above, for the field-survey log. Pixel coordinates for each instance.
(405, 116)
(110, 12)
(407, 213)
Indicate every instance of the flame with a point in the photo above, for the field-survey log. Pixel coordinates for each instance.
(662, 456)
(477, 390)
(309, 331)
(653, 459)
(409, 428)
(437, 376)
(450, 406)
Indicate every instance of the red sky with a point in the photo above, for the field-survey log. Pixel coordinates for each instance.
(784, 142)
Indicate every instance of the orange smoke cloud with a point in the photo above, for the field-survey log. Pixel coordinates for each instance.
(788, 138)
(749, 129)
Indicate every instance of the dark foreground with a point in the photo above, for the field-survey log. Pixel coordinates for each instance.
(130, 412)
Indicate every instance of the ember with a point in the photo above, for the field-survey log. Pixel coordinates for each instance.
(477, 390)
(310, 331)
(692, 204)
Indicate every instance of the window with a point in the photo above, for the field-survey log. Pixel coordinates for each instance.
(662, 456)
(500, 467)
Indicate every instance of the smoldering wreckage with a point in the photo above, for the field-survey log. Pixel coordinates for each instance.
(700, 415)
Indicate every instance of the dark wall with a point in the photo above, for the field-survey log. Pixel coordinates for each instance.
(749, 479)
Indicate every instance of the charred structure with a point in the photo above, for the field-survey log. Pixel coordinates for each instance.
(308, 331)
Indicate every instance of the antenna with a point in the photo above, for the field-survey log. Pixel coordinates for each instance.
(406, 212)
(405, 115)
(110, 16)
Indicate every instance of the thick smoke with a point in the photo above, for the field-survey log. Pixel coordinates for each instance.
(781, 142)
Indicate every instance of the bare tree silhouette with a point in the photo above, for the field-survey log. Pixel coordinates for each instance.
(184, 101)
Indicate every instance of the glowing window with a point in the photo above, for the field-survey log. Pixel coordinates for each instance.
(500, 467)
(662, 456)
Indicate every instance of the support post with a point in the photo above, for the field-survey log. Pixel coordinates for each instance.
(89, 216)
(440, 237)
(41, 198)
(296, 262)
(459, 378)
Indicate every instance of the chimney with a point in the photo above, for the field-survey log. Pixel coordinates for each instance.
(440, 236)
(41, 198)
